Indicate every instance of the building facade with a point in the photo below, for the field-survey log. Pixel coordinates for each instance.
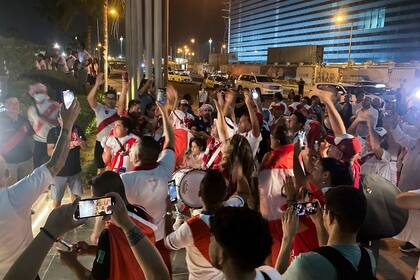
(380, 30)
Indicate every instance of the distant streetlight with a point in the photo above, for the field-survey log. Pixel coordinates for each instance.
(192, 41)
(56, 46)
(210, 41)
(121, 40)
(113, 12)
(193, 54)
(223, 48)
(99, 45)
(75, 38)
(340, 19)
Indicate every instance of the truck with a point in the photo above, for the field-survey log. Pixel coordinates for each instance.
(310, 54)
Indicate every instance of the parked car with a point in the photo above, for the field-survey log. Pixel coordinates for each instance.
(213, 80)
(180, 77)
(262, 83)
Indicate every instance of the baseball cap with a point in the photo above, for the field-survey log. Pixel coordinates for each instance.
(184, 102)
(347, 144)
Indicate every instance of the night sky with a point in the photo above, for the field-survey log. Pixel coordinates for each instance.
(200, 19)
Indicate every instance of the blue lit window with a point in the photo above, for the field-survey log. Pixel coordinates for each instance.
(374, 18)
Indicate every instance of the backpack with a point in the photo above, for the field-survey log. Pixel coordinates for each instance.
(344, 268)
(383, 217)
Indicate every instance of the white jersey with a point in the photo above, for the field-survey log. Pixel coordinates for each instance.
(119, 157)
(379, 166)
(47, 110)
(15, 215)
(148, 187)
(194, 236)
(102, 113)
(253, 141)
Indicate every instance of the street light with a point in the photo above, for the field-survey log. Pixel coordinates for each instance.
(56, 46)
(223, 48)
(113, 12)
(121, 40)
(340, 19)
(192, 41)
(210, 41)
(99, 45)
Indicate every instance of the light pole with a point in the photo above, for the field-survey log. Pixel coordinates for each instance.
(340, 19)
(223, 48)
(210, 41)
(121, 49)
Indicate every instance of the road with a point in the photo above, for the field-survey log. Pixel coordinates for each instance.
(392, 264)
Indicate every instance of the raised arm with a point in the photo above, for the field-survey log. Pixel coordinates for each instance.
(408, 200)
(29, 262)
(337, 124)
(221, 123)
(144, 251)
(252, 115)
(290, 224)
(123, 97)
(61, 150)
(168, 130)
(375, 140)
(91, 98)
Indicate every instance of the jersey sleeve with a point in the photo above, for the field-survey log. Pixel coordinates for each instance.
(180, 238)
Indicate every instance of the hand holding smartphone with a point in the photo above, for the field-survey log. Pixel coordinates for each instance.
(305, 208)
(68, 97)
(173, 197)
(93, 207)
(161, 96)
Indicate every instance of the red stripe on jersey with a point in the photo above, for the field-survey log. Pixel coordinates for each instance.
(201, 235)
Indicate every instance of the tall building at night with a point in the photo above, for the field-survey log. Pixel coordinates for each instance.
(381, 30)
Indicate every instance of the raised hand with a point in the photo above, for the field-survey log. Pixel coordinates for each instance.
(290, 223)
(119, 213)
(61, 219)
(99, 79)
(70, 115)
(290, 188)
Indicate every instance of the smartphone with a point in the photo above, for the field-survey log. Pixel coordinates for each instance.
(93, 207)
(68, 97)
(161, 96)
(65, 245)
(305, 208)
(173, 197)
(254, 93)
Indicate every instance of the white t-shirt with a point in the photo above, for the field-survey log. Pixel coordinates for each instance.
(102, 113)
(381, 166)
(15, 215)
(253, 141)
(270, 271)
(199, 267)
(41, 127)
(149, 188)
(127, 142)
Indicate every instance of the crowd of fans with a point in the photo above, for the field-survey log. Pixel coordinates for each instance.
(77, 62)
(261, 157)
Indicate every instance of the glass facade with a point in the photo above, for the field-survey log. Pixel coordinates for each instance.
(381, 30)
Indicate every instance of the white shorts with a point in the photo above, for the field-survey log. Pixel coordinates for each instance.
(59, 186)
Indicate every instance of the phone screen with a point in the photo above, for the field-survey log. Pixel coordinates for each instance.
(93, 207)
(172, 191)
(254, 93)
(68, 97)
(161, 96)
(305, 208)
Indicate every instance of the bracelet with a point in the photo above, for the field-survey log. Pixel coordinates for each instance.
(134, 236)
(48, 234)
